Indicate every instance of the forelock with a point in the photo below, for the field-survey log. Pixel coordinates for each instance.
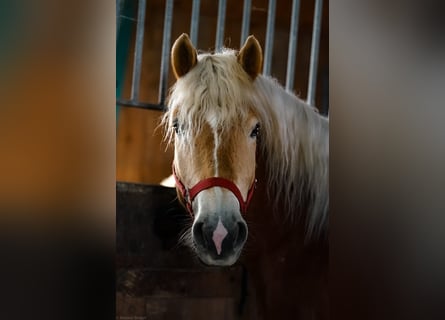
(217, 88)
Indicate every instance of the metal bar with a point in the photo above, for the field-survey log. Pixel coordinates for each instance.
(293, 41)
(269, 37)
(168, 19)
(137, 104)
(194, 24)
(139, 44)
(325, 93)
(314, 52)
(246, 21)
(220, 25)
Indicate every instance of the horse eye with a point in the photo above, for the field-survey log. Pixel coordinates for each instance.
(256, 131)
(176, 126)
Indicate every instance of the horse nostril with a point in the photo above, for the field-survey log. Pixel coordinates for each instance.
(198, 233)
(241, 235)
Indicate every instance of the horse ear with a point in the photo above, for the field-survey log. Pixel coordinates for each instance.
(183, 56)
(250, 57)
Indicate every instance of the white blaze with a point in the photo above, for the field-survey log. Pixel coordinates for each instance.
(212, 119)
(215, 151)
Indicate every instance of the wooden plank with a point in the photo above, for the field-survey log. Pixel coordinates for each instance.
(129, 308)
(149, 223)
(162, 283)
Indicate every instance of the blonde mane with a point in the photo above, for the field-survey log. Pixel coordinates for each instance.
(294, 137)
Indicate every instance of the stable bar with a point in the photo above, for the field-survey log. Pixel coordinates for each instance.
(269, 38)
(314, 53)
(137, 104)
(139, 44)
(293, 41)
(168, 19)
(246, 21)
(194, 24)
(220, 25)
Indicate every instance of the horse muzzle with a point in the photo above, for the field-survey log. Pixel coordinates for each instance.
(219, 241)
(218, 233)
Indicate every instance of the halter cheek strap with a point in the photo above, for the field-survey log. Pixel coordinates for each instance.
(190, 194)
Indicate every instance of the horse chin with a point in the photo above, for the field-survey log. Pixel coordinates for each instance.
(226, 261)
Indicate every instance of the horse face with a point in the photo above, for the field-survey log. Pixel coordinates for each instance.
(219, 230)
(218, 148)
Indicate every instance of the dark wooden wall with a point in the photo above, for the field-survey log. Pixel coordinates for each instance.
(141, 154)
(159, 279)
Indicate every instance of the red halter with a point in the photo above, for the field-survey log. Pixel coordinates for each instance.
(190, 194)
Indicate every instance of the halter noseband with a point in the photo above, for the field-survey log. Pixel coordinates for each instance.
(190, 194)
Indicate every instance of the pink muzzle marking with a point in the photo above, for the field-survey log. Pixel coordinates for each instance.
(190, 194)
(219, 234)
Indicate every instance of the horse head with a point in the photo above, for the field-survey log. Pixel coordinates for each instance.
(215, 134)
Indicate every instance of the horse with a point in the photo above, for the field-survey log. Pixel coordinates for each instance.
(251, 167)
